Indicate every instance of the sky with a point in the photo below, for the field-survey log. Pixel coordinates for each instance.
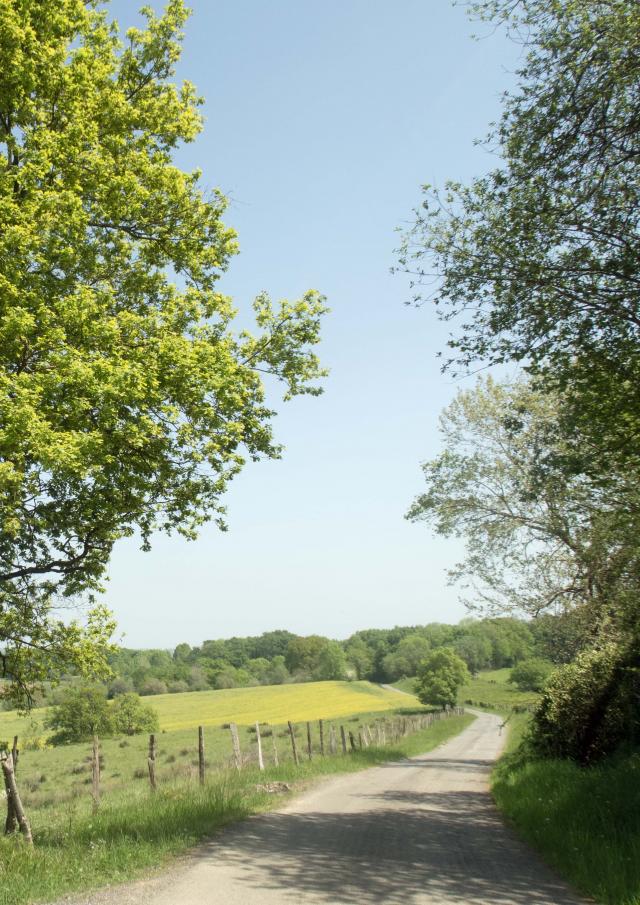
(322, 121)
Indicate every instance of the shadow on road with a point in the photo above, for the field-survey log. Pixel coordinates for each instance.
(433, 847)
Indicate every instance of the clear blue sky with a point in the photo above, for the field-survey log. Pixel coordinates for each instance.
(322, 122)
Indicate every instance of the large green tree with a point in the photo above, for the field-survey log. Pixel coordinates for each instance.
(542, 254)
(127, 401)
(538, 261)
(538, 539)
(440, 676)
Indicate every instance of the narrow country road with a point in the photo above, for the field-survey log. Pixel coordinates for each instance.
(417, 832)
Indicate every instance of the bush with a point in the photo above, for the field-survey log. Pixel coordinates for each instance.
(130, 716)
(153, 686)
(589, 707)
(118, 686)
(531, 675)
(440, 676)
(81, 711)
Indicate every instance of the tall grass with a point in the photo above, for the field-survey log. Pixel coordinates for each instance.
(584, 821)
(136, 830)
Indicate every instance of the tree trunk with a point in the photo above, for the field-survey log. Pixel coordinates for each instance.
(10, 782)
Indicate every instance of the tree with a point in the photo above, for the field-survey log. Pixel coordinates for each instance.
(130, 716)
(360, 656)
(539, 539)
(332, 663)
(406, 658)
(278, 673)
(182, 653)
(80, 712)
(440, 677)
(531, 675)
(303, 653)
(153, 686)
(127, 401)
(541, 255)
(475, 649)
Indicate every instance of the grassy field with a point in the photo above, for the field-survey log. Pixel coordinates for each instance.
(268, 704)
(61, 775)
(585, 822)
(136, 830)
(489, 690)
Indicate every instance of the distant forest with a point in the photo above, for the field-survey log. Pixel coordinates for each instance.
(380, 655)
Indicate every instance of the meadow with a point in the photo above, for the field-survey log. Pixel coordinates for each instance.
(135, 829)
(489, 690)
(245, 706)
(53, 776)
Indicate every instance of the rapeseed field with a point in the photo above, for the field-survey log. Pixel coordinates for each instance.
(266, 703)
(272, 704)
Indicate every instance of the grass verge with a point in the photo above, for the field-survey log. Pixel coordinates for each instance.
(585, 822)
(135, 830)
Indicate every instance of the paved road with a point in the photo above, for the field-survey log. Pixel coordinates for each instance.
(418, 832)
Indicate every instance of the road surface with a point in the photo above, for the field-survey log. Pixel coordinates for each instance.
(416, 832)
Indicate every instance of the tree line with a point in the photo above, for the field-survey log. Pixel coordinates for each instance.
(377, 655)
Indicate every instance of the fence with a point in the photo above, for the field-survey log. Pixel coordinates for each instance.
(306, 743)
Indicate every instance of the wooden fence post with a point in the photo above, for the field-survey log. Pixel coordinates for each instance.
(11, 823)
(292, 733)
(237, 754)
(201, 763)
(333, 744)
(321, 727)
(276, 762)
(309, 751)
(352, 740)
(151, 762)
(10, 781)
(344, 740)
(95, 774)
(259, 741)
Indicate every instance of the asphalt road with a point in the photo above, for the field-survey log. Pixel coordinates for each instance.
(417, 832)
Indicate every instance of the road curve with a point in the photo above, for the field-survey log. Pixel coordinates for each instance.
(416, 832)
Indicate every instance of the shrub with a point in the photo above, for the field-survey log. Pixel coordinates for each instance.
(81, 711)
(153, 686)
(130, 715)
(531, 675)
(589, 707)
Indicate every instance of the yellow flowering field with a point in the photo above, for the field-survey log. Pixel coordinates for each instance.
(268, 703)
(272, 704)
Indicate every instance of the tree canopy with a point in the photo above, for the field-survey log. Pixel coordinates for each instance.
(537, 263)
(440, 676)
(127, 400)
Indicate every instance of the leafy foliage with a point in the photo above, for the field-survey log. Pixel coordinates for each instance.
(540, 256)
(380, 655)
(81, 711)
(127, 401)
(590, 706)
(531, 675)
(441, 675)
(129, 715)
